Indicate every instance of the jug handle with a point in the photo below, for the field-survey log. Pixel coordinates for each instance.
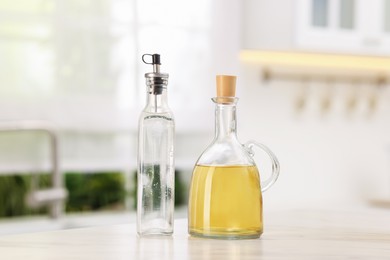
(265, 185)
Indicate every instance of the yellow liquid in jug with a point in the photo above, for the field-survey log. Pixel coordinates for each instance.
(225, 202)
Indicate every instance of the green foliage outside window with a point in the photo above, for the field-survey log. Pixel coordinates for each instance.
(180, 189)
(86, 192)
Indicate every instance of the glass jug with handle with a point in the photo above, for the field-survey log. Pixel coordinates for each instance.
(225, 198)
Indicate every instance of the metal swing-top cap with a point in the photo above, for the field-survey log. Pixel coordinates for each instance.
(226, 88)
(156, 80)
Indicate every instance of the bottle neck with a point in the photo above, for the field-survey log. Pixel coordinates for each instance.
(157, 103)
(225, 121)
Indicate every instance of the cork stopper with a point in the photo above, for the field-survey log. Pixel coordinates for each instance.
(226, 88)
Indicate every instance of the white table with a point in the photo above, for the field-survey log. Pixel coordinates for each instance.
(294, 234)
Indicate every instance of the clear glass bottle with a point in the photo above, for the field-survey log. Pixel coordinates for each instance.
(225, 193)
(156, 171)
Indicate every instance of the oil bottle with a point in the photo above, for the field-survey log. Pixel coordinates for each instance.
(156, 170)
(226, 193)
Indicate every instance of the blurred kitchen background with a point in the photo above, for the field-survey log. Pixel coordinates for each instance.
(313, 83)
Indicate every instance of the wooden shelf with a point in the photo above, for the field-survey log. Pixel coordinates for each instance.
(322, 66)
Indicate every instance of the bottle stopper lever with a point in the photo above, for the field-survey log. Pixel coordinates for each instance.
(155, 61)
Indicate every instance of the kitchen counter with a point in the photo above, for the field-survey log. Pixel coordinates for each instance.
(292, 234)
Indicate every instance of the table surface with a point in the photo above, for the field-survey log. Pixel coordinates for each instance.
(290, 234)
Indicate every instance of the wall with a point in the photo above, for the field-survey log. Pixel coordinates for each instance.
(326, 160)
(268, 24)
(331, 159)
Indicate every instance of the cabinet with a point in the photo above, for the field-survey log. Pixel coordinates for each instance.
(344, 26)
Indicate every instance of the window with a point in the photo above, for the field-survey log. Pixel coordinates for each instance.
(386, 15)
(78, 63)
(320, 11)
(347, 14)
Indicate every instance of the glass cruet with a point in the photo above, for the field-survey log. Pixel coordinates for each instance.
(225, 198)
(156, 168)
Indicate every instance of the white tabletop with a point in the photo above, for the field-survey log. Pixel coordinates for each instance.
(294, 234)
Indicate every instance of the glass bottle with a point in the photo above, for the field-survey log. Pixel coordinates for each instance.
(225, 193)
(156, 171)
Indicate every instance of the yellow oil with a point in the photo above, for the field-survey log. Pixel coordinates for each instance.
(225, 202)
